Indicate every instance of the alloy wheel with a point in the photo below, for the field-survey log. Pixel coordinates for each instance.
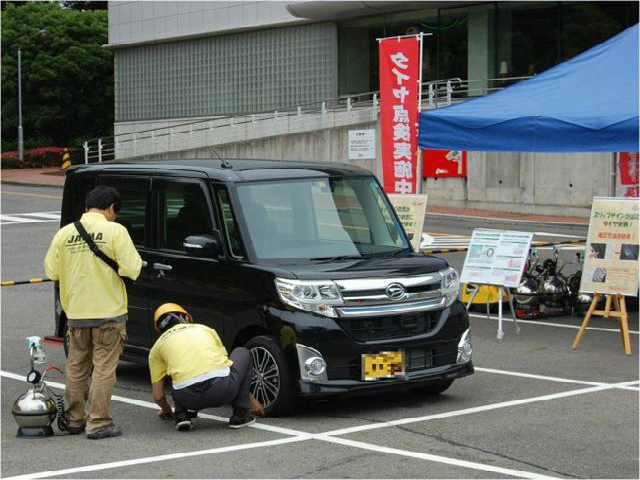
(265, 377)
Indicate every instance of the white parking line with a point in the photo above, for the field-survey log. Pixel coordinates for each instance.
(549, 324)
(298, 436)
(433, 458)
(547, 234)
(160, 458)
(483, 408)
(550, 379)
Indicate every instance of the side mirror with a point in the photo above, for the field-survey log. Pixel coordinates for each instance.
(203, 245)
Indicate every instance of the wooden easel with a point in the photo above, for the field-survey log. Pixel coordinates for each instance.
(619, 311)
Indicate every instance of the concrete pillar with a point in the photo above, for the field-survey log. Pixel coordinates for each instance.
(480, 59)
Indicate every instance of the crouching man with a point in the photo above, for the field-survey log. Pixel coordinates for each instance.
(202, 375)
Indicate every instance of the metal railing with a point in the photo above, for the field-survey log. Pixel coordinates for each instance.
(217, 130)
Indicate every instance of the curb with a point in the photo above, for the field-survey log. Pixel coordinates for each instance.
(515, 221)
(28, 184)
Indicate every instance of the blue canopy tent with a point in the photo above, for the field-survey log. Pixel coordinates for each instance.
(586, 104)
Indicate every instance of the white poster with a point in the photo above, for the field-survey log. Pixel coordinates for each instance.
(411, 210)
(496, 257)
(362, 144)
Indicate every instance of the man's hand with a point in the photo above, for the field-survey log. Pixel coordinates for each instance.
(256, 407)
(165, 415)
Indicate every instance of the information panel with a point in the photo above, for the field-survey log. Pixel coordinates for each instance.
(611, 254)
(411, 210)
(496, 257)
(362, 144)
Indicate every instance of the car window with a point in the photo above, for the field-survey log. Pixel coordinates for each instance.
(81, 187)
(184, 211)
(133, 212)
(231, 230)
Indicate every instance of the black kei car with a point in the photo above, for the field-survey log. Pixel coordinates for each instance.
(305, 263)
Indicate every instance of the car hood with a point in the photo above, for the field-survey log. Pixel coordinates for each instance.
(366, 268)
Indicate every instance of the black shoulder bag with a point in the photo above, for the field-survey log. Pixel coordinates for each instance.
(99, 253)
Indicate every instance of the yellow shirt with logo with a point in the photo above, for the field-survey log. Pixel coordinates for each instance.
(187, 351)
(89, 288)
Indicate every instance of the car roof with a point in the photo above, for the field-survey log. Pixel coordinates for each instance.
(228, 170)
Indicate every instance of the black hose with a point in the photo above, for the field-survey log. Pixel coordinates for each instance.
(63, 421)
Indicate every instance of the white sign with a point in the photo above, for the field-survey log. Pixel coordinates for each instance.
(496, 257)
(362, 144)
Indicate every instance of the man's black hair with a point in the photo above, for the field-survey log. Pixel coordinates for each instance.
(102, 198)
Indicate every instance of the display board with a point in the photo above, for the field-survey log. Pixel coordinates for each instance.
(496, 257)
(411, 210)
(611, 254)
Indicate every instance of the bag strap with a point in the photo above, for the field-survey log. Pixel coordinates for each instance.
(94, 248)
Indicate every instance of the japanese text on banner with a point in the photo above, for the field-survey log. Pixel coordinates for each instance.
(399, 77)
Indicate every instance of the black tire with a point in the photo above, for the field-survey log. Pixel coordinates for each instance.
(435, 388)
(270, 378)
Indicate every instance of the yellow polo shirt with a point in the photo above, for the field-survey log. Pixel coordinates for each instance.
(186, 352)
(89, 288)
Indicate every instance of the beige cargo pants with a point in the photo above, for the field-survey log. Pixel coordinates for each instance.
(100, 348)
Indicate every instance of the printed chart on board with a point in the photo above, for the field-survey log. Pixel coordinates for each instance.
(496, 257)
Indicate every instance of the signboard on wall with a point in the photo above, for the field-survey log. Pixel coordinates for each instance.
(496, 257)
(611, 255)
(628, 165)
(362, 144)
(444, 163)
(399, 84)
(411, 210)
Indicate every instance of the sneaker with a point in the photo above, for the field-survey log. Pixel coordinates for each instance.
(75, 430)
(108, 431)
(183, 423)
(239, 422)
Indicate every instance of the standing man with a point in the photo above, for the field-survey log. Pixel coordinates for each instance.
(202, 375)
(94, 299)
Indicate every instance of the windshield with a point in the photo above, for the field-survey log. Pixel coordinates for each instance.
(320, 219)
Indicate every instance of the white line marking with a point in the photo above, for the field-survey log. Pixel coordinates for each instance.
(548, 324)
(433, 458)
(547, 234)
(482, 408)
(507, 220)
(161, 458)
(49, 215)
(550, 379)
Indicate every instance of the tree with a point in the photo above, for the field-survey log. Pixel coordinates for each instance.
(84, 6)
(67, 75)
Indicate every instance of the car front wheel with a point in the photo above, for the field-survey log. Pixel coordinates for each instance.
(270, 378)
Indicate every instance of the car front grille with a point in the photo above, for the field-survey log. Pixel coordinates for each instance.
(388, 327)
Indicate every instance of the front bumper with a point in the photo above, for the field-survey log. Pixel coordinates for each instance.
(412, 380)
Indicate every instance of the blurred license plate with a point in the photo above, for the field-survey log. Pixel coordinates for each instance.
(382, 365)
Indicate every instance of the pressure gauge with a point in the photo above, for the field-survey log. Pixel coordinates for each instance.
(33, 376)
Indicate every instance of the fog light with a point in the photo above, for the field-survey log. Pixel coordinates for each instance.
(464, 348)
(315, 366)
(312, 366)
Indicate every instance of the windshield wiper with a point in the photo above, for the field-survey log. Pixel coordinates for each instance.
(395, 253)
(334, 259)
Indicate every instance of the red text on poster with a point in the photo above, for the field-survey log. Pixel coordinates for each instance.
(628, 165)
(444, 163)
(399, 77)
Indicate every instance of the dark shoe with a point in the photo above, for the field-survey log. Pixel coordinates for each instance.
(183, 422)
(192, 414)
(108, 431)
(239, 422)
(75, 430)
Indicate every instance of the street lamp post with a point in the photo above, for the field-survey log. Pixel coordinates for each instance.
(20, 132)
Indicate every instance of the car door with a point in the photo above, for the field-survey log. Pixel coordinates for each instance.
(135, 216)
(183, 207)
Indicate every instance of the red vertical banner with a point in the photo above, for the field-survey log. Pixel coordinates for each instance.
(399, 83)
(629, 166)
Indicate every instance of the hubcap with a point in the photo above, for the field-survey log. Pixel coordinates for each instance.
(265, 377)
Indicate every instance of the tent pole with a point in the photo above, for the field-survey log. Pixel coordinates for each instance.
(614, 168)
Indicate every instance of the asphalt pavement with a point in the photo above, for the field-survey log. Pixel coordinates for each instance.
(534, 408)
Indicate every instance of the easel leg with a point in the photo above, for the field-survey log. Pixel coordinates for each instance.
(513, 311)
(500, 331)
(624, 323)
(607, 306)
(585, 322)
(473, 296)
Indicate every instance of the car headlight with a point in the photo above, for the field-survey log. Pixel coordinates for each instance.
(450, 286)
(464, 348)
(310, 296)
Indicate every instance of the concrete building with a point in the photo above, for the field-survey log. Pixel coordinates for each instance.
(229, 63)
